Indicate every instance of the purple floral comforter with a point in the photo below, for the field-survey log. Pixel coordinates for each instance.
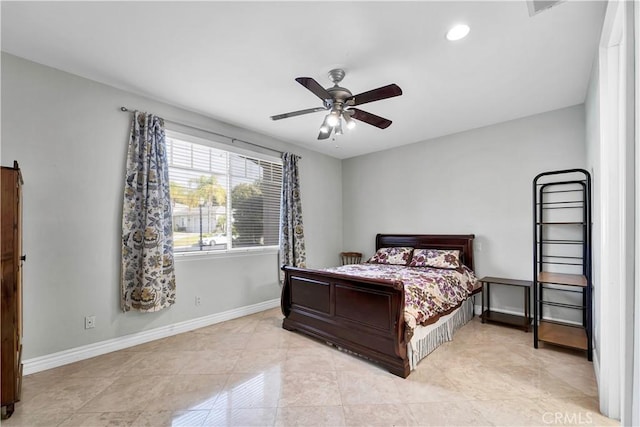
(428, 291)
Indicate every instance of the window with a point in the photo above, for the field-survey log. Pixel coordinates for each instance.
(222, 200)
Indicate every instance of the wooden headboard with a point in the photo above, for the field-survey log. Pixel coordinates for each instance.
(460, 242)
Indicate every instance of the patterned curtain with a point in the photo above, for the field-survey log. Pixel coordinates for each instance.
(292, 250)
(148, 279)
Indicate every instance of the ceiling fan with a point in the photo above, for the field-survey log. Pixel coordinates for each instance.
(340, 102)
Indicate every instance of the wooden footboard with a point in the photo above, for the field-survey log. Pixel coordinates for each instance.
(365, 316)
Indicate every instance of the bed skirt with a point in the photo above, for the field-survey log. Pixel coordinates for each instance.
(427, 338)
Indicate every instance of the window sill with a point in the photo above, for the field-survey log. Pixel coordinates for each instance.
(228, 253)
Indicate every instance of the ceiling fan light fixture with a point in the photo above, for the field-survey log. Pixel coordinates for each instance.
(338, 127)
(325, 128)
(332, 119)
(348, 121)
(458, 32)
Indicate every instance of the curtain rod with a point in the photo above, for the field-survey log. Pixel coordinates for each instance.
(127, 110)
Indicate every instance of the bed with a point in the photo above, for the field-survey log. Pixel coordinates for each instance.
(366, 315)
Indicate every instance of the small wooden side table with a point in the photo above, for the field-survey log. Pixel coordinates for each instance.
(523, 322)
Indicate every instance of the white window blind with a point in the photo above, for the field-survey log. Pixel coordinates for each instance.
(222, 200)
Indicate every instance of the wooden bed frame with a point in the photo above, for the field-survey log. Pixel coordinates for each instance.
(364, 316)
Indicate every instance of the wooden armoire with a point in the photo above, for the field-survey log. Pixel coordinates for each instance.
(12, 259)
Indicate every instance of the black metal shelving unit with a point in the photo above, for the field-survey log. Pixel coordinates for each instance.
(562, 307)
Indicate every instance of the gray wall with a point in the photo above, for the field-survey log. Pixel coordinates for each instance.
(473, 182)
(70, 140)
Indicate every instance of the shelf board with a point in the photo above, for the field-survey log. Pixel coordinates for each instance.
(563, 335)
(506, 319)
(560, 242)
(564, 305)
(560, 223)
(562, 279)
(503, 281)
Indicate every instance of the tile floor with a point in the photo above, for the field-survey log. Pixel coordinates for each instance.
(251, 372)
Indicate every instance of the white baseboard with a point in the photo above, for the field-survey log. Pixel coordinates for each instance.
(65, 357)
(477, 310)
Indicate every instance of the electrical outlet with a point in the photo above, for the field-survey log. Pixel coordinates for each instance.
(90, 322)
(198, 301)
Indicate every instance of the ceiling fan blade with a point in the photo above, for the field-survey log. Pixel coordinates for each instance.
(297, 113)
(324, 135)
(384, 92)
(369, 118)
(314, 87)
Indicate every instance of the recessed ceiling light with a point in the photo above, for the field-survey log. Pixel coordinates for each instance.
(458, 32)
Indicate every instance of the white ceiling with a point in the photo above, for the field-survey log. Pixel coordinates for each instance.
(236, 61)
